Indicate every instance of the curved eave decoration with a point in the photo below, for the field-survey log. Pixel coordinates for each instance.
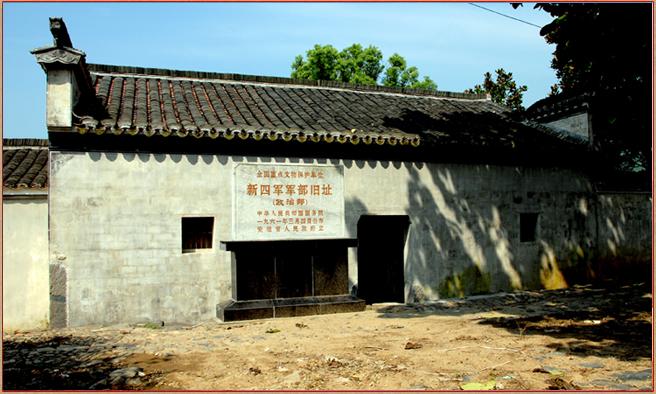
(353, 137)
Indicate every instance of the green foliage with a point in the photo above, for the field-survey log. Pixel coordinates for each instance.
(554, 90)
(321, 64)
(357, 65)
(594, 41)
(360, 66)
(398, 74)
(604, 50)
(503, 91)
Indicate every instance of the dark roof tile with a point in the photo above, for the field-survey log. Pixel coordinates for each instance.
(25, 163)
(557, 106)
(202, 104)
(153, 105)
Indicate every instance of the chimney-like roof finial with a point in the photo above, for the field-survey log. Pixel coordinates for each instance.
(60, 33)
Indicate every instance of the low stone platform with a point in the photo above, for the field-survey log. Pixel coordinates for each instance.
(288, 307)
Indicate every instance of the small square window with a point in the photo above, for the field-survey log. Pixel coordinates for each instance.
(528, 224)
(196, 234)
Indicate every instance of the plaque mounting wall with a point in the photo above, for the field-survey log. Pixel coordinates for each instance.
(288, 202)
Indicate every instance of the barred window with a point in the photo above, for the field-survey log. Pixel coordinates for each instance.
(197, 233)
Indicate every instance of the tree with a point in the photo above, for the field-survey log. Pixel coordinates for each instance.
(360, 66)
(503, 91)
(321, 64)
(594, 41)
(357, 65)
(604, 50)
(554, 90)
(399, 75)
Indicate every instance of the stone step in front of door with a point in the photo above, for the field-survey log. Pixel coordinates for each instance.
(287, 307)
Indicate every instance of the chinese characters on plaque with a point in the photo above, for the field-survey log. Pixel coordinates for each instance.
(288, 201)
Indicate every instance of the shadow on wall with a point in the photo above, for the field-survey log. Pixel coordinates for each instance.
(458, 244)
(624, 235)
(465, 232)
(469, 243)
(466, 240)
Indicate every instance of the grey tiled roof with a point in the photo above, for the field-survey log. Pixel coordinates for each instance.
(557, 106)
(24, 163)
(129, 101)
(135, 101)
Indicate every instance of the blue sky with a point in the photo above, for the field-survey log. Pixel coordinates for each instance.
(453, 43)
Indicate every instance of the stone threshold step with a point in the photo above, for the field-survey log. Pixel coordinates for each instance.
(287, 307)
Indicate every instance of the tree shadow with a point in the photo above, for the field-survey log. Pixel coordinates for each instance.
(604, 322)
(465, 240)
(608, 323)
(462, 239)
(64, 362)
(469, 134)
(466, 204)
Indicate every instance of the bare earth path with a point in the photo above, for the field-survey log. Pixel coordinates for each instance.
(581, 337)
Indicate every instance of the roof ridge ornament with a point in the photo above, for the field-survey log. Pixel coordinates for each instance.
(71, 94)
(60, 33)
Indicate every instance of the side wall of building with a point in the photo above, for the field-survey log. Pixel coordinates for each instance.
(624, 235)
(25, 295)
(464, 236)
(116, 230)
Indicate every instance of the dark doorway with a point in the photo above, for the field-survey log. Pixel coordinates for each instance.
(381, 240)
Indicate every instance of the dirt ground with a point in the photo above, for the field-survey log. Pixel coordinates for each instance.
(578, 338)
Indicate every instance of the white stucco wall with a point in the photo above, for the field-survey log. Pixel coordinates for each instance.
(60, 96)
(25, 295)
(577, 124)
(622, 214)
(116, 233)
